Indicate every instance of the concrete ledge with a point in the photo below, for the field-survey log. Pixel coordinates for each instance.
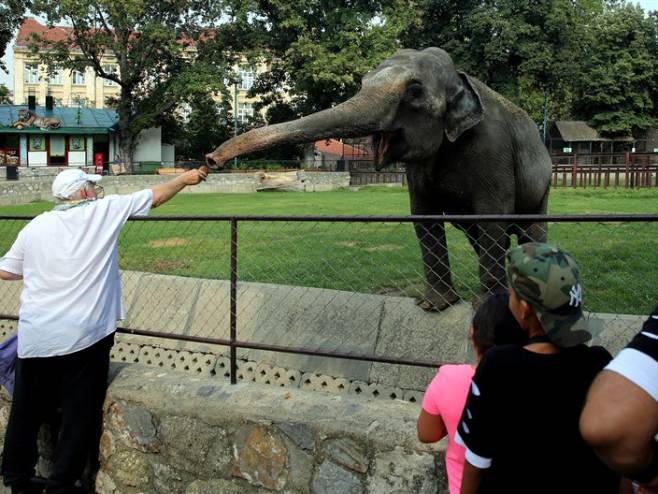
(310, 318)
(39, 188)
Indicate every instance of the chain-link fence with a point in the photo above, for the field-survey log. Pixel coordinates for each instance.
(312, 287)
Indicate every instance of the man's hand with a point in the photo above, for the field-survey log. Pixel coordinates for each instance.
(163, 192)
(196, 176)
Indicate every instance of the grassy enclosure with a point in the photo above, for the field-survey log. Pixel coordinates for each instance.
(618, 259)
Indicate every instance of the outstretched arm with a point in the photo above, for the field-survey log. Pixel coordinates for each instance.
(163, 192)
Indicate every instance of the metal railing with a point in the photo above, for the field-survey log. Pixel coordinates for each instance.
(354, 254)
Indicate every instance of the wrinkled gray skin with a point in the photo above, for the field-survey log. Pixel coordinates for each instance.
(467, 150)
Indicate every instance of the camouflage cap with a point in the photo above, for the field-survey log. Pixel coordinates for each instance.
(548, 279)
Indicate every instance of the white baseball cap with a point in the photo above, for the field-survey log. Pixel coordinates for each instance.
(69, 181)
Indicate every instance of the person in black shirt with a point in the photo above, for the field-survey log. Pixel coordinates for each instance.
(620, 418)
(520, 422)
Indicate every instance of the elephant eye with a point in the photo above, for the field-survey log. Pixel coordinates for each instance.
(415, 91)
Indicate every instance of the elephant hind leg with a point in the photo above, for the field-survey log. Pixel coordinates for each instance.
(535, 232)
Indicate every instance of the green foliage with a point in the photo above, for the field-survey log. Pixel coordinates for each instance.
(12, 13)
(617, 90)
(151, 41)
(318, 49)
(199, 130)
(4, 95)
(525, 49)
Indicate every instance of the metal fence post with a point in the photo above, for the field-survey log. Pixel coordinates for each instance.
(234, 293)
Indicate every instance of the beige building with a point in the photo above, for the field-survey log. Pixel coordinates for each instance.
(72, 88)
(68, 88)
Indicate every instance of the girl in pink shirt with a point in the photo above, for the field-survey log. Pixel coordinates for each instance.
(445, 397)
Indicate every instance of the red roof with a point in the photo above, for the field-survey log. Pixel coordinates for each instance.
(62, 33)
(32, 26)
(345, 151)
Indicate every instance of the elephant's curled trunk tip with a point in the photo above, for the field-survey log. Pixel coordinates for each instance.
(214, 162)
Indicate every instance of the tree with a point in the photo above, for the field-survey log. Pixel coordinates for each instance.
(317, 50)
(528, 50)
(158, 47)
(617, 89)
(4, 95)
(196, 131)
(12, 13)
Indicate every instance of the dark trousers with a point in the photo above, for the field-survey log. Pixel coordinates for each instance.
(77, 383)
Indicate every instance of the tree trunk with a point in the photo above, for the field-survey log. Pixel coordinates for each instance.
(127, 138)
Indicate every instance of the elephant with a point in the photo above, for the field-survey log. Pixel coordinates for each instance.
(467, 151)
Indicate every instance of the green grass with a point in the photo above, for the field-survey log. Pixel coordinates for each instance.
(618, 259)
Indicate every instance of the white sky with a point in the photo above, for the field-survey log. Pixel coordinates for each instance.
(7, 79)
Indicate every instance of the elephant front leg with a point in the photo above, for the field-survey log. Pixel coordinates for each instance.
(439, 293)
(493, 242)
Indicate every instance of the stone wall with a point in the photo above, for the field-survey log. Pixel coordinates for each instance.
(169, 433)
(34, 184)
(166, 432)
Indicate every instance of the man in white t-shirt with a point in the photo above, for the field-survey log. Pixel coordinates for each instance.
(620, 417)
(70, 303)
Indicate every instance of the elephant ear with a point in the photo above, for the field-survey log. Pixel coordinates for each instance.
(465, 109)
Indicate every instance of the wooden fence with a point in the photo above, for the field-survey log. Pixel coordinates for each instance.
(629, 170)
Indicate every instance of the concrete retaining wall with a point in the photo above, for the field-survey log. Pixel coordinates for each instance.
(165, 432)
(34, 185)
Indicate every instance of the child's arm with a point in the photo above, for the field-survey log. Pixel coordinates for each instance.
(430, 428)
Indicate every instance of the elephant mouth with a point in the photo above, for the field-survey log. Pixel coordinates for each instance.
(388, 146)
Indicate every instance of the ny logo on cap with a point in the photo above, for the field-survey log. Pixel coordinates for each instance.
(576, 294)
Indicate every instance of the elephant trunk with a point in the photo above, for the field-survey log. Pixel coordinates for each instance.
(359, 116)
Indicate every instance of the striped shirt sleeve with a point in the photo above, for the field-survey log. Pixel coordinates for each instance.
(638, 362)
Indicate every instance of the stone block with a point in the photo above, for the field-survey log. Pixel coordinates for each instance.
(264, 374)
(432, 336)
(130, 468)
(146, 356)
(187, 441)
(330, 479)
(223, 368)
(163, 358)
(167, 479)
(348, 453)
(133, 425)
(287, 378)
(260, 457)
(321, 382)
(301, 467)
(163, 304)
(214, 486)
(202, 364)
(403, 471)
(300, 434)
(246, 370)
(125, 352)
(7, 327)
(412, 396)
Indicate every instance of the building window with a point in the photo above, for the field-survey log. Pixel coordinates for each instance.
(78, 78)
(246, 79)
(55, 77)
(245, 111)
(76, 143)
(37, 143)
(31, 73)
(110, 69)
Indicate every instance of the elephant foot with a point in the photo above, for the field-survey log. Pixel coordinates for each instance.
(436, 302)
